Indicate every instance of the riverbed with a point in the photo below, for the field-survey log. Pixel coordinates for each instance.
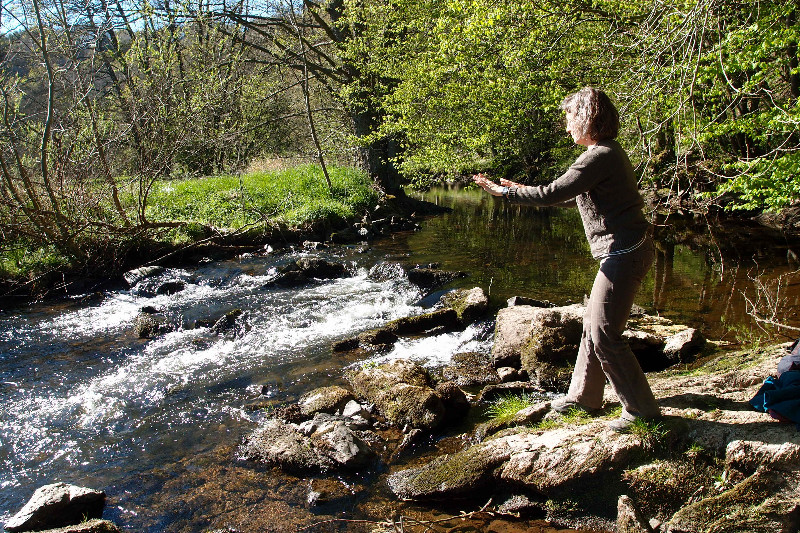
(156, 422)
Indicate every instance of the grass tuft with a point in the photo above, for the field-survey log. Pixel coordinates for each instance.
(506, 407)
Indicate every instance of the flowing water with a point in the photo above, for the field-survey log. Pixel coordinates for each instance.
(156, 423)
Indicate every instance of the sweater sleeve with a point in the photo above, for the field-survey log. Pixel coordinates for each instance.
(562, 191)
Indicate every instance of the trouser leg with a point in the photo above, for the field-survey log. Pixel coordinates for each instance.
(588, 378)
(603, 352)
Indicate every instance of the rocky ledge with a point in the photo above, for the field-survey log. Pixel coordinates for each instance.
(712, 463)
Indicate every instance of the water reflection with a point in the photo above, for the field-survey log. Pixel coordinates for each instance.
(704, 273)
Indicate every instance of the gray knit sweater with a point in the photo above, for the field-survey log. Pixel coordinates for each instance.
(602, 184)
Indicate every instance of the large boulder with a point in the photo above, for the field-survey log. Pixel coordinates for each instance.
(557, 464)
(512, 327)
(550, 350)
(543, 341)
(57, 505)
(680, 348)
(469, 304)
(402, 391)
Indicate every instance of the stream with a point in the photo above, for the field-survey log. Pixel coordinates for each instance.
(156, 422)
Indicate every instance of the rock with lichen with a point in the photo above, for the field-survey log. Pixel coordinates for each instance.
(322, 444)
(324, 400)
(468, 369)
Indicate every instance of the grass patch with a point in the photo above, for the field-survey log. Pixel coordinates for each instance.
(505, 408)
(293, 196)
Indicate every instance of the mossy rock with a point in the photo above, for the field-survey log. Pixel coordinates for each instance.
(661, 488)
(414, 325)
(767, 501)
(402, 391)
(469, 304)
(463, 474)
(470, 369)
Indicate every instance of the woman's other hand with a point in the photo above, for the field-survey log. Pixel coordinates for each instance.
(508, 183)
(488, 185)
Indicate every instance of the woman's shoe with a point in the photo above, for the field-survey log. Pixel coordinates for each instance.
(564, 406)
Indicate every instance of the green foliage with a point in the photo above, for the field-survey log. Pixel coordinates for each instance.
(24, 261)
(294, 196)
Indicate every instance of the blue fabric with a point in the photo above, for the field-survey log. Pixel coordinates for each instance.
(780, 396)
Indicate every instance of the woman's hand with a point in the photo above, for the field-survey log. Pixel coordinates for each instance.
(488, 185)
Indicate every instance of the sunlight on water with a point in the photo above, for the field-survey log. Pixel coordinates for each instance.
(160, 381)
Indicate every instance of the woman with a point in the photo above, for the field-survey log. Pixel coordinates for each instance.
(602, 184)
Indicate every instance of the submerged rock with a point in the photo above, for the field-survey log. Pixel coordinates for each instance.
(57, 505)
(230, 321)
(431, 278)
(148, 325)
(132, 277)
(170, 287)
(306, 270)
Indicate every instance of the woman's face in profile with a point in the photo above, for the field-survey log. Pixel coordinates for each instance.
(574, 130)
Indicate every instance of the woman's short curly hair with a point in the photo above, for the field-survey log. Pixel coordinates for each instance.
(594, 113)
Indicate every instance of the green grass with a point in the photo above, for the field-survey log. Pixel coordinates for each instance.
(650, 433)
(504, 408)
(293, 196)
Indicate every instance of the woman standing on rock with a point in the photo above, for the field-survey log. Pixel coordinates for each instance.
(602, 184)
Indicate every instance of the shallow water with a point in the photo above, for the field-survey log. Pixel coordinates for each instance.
(156, 423)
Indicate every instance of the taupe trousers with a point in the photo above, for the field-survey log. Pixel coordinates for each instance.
(603, 353)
